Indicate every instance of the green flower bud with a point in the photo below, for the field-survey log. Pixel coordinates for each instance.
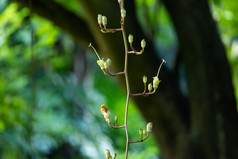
(107, 63)
(123, 13)
(107, 115)
(107, 152)
(144, 79)
(101, 63)
(143, 43)
(99, 19)
(114, 156)
(116, 118)
(150, 87)
(144, 132)
(130, 38)
(156, 82)
(149, 127)
(104, 20)
(110, 157)
(140, 131)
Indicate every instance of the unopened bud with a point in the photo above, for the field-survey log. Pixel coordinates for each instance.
(101, 63)
(104, 109)
(143, 43)
(144, 79)
(144, 132)
(149, 127)
(107, 115)
(156, 82)
(107, 63)
(130, 38)
(123, 13)
(104, 21)
(150, 87)
(99, 19)
(107, 152)
(140, 131)
(114, 156)
(116, 118)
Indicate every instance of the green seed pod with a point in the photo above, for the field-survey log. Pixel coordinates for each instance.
(107, 152)
(156, 82)
(140, 131)
(123, 13)
(99, 19)
(150, 87)
(144, 79)
(149, 127)
(116, 118)
(130, 39)
(144, 132)
(109, 62)
(143, 43)
(107, 115)
(101, 63)
(114, 156)
(104, 20)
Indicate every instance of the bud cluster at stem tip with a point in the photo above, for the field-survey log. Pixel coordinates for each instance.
(156, 82)
(102, 20)
(104, 64)
(108, 154)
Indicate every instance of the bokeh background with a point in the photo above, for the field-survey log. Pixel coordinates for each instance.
(50, 101)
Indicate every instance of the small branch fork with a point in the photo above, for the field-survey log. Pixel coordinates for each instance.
(109, 72)
(115, 127)
(141, 140)
(106, 30)
(144, 93)
(134, 51)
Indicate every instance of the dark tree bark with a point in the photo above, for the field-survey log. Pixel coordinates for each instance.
(202, 125)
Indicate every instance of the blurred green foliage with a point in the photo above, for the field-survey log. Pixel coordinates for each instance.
(66, 118)
(67, 109)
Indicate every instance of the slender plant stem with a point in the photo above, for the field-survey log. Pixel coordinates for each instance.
(90, 45)
(163, 61)
(140, 140)
(127, 87)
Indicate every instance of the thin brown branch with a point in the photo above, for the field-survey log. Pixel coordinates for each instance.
(140, 140)
(116, 127)
(105, 30)
(109, 72)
